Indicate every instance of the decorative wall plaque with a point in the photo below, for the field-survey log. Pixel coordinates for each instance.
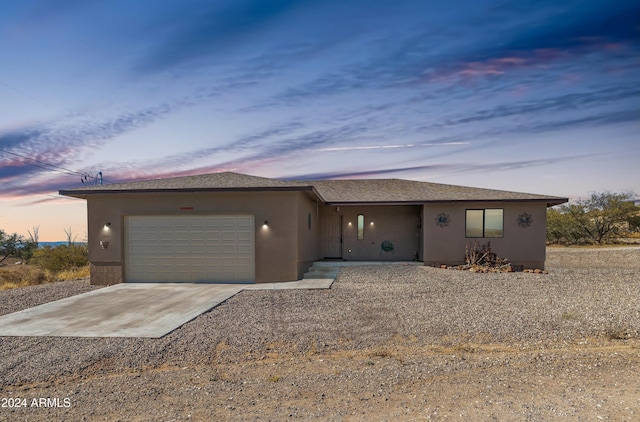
(525, 220)
(442, 220)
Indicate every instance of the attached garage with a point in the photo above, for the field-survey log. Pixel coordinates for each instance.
(188, 249)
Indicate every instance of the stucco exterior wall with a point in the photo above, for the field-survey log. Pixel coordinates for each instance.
(520, 245)
(308, 231)
(276, 246)
(398, 224)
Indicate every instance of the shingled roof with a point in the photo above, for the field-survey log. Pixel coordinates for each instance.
(204, 182)
(334, 192)
(399, 190)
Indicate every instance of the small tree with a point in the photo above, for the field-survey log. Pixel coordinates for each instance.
(596, 219)
(16, 246)
(562, 229)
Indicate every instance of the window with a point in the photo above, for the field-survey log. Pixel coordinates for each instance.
(360, 226)
(484, 223)
(493, 223)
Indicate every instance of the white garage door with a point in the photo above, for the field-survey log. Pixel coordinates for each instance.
(207, 248)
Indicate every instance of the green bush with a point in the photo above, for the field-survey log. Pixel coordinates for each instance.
(61, 258)
(562, 229)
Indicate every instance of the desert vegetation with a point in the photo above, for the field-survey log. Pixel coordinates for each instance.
(24, 263)
(603, 218)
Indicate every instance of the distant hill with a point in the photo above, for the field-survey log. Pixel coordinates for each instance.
(54, 244)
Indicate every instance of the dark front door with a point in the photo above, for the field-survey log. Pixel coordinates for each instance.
(332, 236)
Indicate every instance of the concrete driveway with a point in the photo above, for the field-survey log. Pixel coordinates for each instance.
(130, 310)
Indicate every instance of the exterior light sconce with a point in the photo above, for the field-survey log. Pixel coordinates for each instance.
(104, 244)
(337, 209)
(106, 225)
(371, 224)
(266, 224)
(350, 223)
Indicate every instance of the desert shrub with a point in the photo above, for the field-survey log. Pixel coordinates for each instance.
(476, 254)
(73, 273)
(61, 258)
(23, 275)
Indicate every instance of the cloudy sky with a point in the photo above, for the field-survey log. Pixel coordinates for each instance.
(532, 96)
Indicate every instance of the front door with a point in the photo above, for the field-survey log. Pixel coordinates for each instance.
(332, 236)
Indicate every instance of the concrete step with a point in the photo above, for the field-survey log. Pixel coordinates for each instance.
(321, 271)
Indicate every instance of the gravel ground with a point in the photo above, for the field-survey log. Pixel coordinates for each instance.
(384, 343)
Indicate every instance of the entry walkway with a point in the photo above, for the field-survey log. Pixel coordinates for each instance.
(131, 309)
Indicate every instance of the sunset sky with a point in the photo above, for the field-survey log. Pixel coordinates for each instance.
(540, 97)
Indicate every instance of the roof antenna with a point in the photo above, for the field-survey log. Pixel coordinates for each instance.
(89, 180)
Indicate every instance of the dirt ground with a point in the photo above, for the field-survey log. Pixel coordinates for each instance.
(401, 379)
(589, 381)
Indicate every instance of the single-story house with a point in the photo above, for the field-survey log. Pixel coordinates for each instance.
(230, 227)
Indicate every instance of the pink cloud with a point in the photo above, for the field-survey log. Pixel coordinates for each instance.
(540, 58)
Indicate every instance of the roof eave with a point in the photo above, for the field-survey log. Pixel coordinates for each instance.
(549, 201)
(79, 193)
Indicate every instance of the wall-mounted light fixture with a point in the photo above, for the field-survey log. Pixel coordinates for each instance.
(266, 224)
(349, 223)
(337, 209)
(371, 224)
(106, 225)
(104, 244)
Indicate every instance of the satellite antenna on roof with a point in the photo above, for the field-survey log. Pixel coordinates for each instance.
(89, 180)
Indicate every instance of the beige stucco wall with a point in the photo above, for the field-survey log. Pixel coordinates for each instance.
(520, 245)
(395, 223)
(276, 247)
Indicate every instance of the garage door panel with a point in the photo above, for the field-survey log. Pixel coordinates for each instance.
(196, 222)
(190, 248)
(229, 221)
(213, 249)
(244, 235)
(228, 236)
(244, 249)
(244, 261)
(212, 236)
(198, 235)
(229, 250)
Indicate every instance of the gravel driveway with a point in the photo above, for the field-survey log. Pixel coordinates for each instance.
(385, 342)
